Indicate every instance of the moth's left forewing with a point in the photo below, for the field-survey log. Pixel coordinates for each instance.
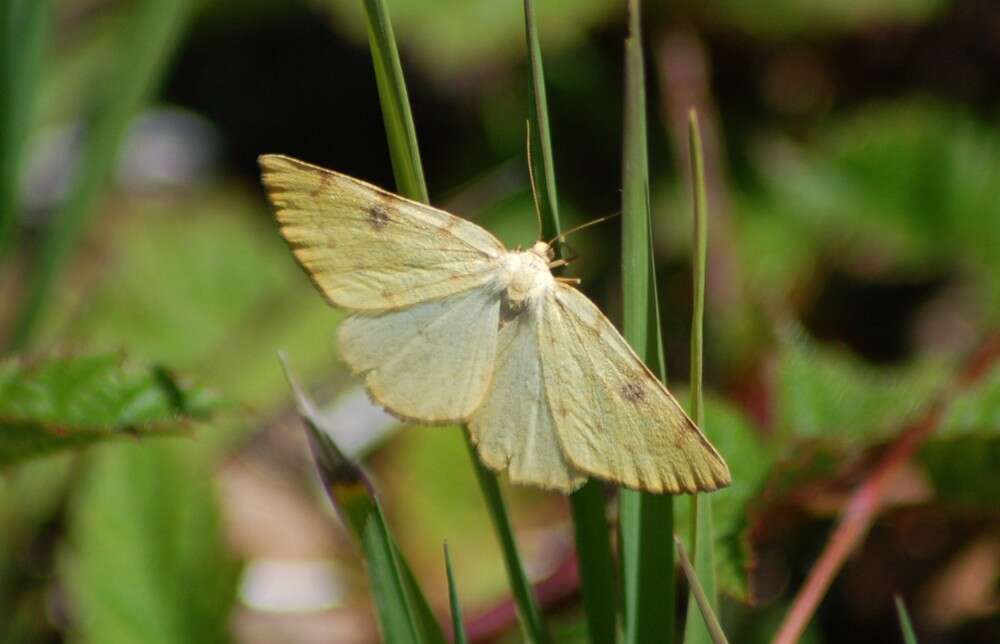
(614, 419)
(367, 249)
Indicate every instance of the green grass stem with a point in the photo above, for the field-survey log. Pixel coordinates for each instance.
(590, 526)
(457, 626)
(905, 625)
(395, 102)
(405, 156)
(699, 599)
(696, 631)
(646, 520)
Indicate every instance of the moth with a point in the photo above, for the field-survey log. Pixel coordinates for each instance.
(449, 326)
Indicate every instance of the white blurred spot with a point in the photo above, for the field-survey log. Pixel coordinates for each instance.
(292, 585)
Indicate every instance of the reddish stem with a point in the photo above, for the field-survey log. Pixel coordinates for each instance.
(865, 503)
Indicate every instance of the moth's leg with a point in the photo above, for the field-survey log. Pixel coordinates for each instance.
(575, 281)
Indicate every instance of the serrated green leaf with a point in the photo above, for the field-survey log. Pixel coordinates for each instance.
(147, 562)
(63, 403)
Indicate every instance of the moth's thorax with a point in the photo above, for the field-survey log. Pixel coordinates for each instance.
(526, 274)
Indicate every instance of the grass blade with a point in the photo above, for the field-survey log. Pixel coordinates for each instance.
(699, 599)
(593, 545)
(528, 612)
(544, 166)
(395, 102)
(401, 607)
(646, 519)
(458, 628)
(148, 39)
(702, 538)
(23, 33)
(905, 625)
(410, 183)
(596, 561)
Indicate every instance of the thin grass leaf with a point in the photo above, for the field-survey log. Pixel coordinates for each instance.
(149, 38)
(646, 519)
(528, 612)
(596, 561)
(457, 627)
(23, 34)
(544, 166)
(401, 607)
(406, 166)
(703, 534)
(905, 625)
(395, 102)
(716, 636)
(590, 526)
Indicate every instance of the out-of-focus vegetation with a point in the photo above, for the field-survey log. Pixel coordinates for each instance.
(853, 305)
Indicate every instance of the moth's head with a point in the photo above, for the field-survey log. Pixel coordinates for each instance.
(544, 251)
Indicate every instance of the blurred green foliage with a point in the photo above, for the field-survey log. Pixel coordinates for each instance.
(65, 403)
(888, 184)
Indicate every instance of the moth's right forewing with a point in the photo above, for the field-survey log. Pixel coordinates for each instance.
(614, 419)
(368, 249)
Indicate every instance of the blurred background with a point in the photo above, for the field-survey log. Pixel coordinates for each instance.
(853, 158)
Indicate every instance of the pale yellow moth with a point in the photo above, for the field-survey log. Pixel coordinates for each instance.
(448, 326)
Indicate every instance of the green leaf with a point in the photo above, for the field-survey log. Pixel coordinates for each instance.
(147, 562)
(63, 403)
(646, 519)
(830, 395)
(148, 40)
(907, 182)
(961, 456)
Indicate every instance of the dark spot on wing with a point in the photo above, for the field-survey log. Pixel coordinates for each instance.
(633, 391)
(324, 186)
(378, 217)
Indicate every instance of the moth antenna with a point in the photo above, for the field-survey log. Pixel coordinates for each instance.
(562, 236)
(531, 176)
